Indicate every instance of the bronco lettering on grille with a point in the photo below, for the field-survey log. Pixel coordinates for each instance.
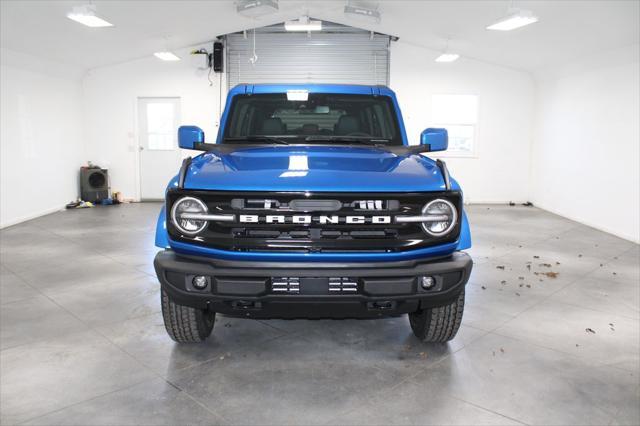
(307, 219)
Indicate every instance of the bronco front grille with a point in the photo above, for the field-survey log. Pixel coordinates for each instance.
(313, 222)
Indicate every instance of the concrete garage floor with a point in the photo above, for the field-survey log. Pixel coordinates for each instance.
(82, 340)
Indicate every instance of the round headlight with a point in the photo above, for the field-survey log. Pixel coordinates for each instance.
(188, 205)
(440, 207)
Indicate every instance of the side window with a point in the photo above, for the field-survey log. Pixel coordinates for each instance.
(459, 115)
(243, 120)
(379, 122)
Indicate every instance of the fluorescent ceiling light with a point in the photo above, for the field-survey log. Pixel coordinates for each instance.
(86, 15)
(166, 56)
(515, 19)
(362, 10)
(447, 57)
(297, 95)
(256, 8)
(303, 24)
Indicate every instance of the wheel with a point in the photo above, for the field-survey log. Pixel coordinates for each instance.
(438, 324)
(186, 324)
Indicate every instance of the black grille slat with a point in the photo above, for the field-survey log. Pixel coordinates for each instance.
(261, 233)
(368, 234)
(312, 237)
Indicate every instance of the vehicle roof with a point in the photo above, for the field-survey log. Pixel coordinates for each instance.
(353, 89)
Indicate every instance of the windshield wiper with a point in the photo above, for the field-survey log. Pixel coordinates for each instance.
(256, 138)
(350, 139)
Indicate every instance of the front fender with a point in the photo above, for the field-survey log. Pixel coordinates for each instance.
(464, 242)
(162, 237)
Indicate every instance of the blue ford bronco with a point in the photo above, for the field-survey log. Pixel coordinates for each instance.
(312, 204)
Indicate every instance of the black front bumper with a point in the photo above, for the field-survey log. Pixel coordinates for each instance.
(312, 290)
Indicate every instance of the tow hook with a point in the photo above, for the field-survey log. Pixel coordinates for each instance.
(245, 305)
(382, 305)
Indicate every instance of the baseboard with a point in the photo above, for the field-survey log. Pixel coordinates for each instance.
(633, 239)
(517, 202)
(31, 216)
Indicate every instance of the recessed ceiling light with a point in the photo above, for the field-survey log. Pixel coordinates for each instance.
(516, 18)
(86, 15)
(166, 56)
(256, 8)
(303, 24)
(447, 57)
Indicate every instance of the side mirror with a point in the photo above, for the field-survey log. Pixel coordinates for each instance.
(190, 136)
(436, 139)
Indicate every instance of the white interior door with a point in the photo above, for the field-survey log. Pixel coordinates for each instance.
(158, 120)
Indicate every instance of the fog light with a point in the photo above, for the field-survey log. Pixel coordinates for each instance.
(199, 282)
(427, 282)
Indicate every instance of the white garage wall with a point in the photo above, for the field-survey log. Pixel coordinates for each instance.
(110, 110)
(586, 151)
(500, 171)
(41, 132)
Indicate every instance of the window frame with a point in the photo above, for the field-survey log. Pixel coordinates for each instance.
(474, 153)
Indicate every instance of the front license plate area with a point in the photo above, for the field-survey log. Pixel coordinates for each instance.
(314, 285)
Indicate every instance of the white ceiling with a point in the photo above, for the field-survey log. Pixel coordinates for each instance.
(568, 29)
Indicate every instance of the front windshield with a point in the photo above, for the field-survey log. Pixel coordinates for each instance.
(321, 118)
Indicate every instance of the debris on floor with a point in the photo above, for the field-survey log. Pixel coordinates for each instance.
(528, 204)
(79, 205)
(590, 330)
(500, 267)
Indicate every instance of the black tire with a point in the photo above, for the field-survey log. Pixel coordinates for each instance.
(439, 324)
(186, 324)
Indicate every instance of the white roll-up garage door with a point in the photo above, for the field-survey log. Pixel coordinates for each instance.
(337, 54)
